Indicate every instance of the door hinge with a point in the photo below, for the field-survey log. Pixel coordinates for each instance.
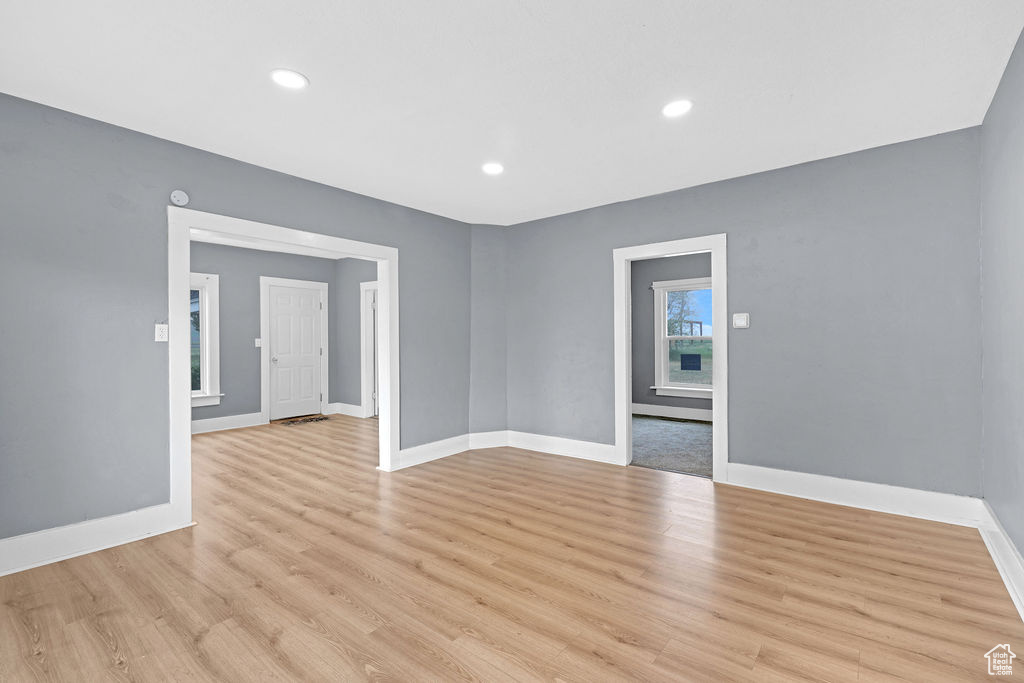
(321, 351)
(321, 305)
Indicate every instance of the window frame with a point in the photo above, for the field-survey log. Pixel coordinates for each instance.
(663, 386)
(208, 286)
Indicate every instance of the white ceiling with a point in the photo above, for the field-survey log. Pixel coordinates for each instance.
(408, 98)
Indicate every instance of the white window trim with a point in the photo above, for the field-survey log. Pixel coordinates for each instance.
(209, 338)
(663, 386)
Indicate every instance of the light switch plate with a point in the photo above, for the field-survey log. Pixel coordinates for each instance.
(160, 333)
(741, 320)
(259, 342)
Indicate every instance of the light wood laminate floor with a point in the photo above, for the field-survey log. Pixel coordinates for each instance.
(309, 564)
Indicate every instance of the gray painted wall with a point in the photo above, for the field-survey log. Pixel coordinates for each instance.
(1002, 253)
(488, 364)
(848, 267)
(346, 360)
(642, 274)
(84, 230)
(240, 271)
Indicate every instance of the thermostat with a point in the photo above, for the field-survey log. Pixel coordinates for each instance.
(179, 198)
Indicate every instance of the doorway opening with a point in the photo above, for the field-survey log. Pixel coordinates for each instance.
(672, 342)
(292, 331)
(671, 356)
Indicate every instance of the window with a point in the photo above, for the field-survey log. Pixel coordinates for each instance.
(683, 339)
(204, 337)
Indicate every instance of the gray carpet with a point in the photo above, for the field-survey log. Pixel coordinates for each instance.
(674, 445)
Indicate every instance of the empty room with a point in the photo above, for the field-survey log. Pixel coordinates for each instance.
(512, 340)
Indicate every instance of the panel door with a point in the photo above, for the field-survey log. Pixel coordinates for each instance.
(295, 352)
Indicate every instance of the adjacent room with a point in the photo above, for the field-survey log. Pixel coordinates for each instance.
(307, 312)
(517, 340)
(672, 356)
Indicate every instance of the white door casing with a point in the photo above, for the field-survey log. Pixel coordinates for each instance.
(621, 264)
(293, 318)
(188, 225)
(376, 375)
(368, 348)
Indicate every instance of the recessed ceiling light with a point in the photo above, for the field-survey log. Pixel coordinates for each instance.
(286, 78)
(493, 168)
(674, 110)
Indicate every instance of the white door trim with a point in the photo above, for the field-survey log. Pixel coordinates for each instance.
(187, 225)
(366, 350)
(265, 284)
(621, 259)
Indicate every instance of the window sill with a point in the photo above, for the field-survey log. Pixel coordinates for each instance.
(199, 400)
(684, 392)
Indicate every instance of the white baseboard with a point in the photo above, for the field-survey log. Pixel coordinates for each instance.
(488, 439)
(1006, 556)
(897, 500)
(60, 543)
(417, 455)
(345, 409)
(216, 424)
(557, 445)
(677, 412)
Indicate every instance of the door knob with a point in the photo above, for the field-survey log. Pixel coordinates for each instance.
(273, 359)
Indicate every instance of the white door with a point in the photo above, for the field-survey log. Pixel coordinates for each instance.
(295, 352)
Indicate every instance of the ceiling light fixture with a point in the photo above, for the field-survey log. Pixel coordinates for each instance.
(286, 78)
(492, 168)
(674, 110)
